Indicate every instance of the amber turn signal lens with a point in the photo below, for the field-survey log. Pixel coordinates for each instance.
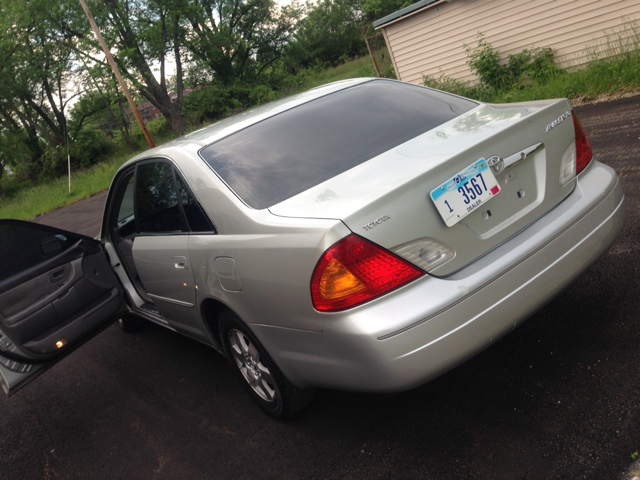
(338, 282)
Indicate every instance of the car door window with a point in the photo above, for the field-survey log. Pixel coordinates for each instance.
(126, 216)
(157, 200)
(126, 207)
(24, 246)
(196, 218)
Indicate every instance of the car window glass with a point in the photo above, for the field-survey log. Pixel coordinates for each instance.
(157, 200)
(295, 150)
(125, 212)
(196, 218)
(125, 220)
(25, 246)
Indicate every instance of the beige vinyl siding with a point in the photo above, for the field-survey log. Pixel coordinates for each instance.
(430, 41)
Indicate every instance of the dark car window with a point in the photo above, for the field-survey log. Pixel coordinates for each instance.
(288, 153)
(196, 218)
(157, 200)
(25, 246)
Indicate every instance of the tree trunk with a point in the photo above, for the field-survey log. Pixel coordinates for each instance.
(173, 115)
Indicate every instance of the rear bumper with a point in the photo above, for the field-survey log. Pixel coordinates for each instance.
(431, 325)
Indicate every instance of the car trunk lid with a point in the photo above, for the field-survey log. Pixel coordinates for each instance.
(387, 199)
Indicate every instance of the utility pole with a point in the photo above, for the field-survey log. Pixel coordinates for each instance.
(107, 53)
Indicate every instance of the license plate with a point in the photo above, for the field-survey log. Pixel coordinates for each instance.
(462, 194)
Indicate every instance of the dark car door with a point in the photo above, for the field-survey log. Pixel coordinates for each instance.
(57, 291)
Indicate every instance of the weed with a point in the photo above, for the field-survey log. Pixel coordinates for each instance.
(484, 61)
(448, 84)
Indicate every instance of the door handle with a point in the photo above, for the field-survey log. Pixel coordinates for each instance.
(180, 263)
(57, 275)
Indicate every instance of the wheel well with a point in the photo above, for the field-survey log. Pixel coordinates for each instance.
(211, 310)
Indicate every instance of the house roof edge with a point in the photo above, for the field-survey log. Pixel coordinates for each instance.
(403, 12)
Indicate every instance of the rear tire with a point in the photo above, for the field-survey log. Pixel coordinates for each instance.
(130, 323)
(259, 374)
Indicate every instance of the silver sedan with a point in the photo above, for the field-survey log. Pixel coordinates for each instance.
(365, 235)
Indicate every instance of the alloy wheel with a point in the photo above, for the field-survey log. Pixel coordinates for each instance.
(249, 363)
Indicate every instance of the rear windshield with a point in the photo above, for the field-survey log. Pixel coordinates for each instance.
(293, 151)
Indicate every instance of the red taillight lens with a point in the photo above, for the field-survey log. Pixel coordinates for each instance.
(583, 149)
(354, 271)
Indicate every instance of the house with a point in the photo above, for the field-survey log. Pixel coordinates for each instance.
(174, 96)
(149, 112)
(427, 38)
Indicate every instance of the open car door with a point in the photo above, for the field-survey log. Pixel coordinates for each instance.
(57, 291)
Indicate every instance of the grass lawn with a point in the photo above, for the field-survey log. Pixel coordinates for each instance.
(28, 202)
(598, 78)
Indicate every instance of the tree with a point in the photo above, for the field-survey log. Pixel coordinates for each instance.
(104, 96)
(234, 39)
(331, 31)
(237, 39)
(36, 72)
(373, 10)
(140, 34)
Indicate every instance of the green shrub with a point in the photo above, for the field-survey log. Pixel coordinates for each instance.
(91, 146)
(535, 65)
(159, 128)
(217, 101)
(214, 101)
(484, 61)
(261, 94)
(448, 84)
(88, 148)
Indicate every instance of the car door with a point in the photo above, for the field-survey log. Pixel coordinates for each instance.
(166, 214)
(57, 291)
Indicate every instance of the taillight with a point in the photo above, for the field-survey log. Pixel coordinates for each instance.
(355, 270)
(583, 149)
